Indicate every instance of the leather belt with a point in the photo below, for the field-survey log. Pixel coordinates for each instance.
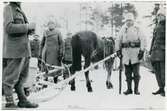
(131, 45)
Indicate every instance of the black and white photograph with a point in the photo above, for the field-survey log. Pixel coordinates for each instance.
(83, 55)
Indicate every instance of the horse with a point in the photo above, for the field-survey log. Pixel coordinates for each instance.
(93, 49)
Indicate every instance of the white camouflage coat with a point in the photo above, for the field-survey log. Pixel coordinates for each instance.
(130, 34)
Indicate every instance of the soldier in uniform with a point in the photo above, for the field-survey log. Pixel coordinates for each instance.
(131, 41)
(35, 49)
(52, 46)
(67, 58)
(157, 52)
(35, 45)
(16, 50)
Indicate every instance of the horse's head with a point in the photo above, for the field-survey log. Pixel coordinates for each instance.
(105, 48)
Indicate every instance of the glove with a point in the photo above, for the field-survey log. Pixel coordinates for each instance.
(119, 54)
(31, 28)
(141, 54)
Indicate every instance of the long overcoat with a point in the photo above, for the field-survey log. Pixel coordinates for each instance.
(157, 50)
(15, 37)
(52, 47)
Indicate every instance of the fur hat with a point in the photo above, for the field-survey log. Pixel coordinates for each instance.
(51, 22)
(129, 16)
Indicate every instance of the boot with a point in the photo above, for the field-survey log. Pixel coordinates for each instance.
(27, 104)
(8, 92)
(10, 103)
(129, 90)
(72, 83)
(72, 87)
(109, 85)
(89, 87)
(136, 91)
(157, 92)
(23, 102)
(161, 91)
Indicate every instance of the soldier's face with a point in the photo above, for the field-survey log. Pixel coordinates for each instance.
(51, 26)
(129, 23)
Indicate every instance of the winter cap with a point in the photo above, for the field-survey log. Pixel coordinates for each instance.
(129, 16)
(51, 22)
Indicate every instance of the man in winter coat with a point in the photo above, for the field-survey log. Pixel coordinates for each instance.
(35, 45)
(157, 52)
(16, 51)
(67, 59)
(131, 40)
(52, 46)
(35, 49)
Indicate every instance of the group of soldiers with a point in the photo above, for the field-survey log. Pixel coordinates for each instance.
(130, 46)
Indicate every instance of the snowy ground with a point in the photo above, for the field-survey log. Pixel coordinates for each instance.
(102, 98)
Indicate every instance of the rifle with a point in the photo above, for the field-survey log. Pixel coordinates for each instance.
(120, 73)
(120, 67)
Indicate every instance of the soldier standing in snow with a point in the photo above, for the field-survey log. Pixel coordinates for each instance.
(16, 51)
(52, 46)
(35, 45)
(131, 40)
(67, 59)
(157, 52)
(35, 48)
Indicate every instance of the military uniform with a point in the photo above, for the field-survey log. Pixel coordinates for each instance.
(52, 48)
(67, 58)
(35, 50)
(16, 51)
(35, 45)
(131, 39)
(157, 52)
(68, 51)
